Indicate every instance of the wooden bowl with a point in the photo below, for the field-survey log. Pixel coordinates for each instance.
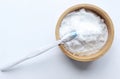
(108, 22)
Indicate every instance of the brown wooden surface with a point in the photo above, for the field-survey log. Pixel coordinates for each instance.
(108, 22)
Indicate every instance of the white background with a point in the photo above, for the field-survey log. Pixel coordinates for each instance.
(26, 25)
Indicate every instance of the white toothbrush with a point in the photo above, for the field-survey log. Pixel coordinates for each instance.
(66, 38)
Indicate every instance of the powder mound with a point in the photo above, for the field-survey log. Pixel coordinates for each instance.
(91, 29)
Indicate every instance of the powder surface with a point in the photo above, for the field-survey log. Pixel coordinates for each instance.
(91, 29)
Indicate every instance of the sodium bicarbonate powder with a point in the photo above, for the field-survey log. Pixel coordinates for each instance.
(91, 29)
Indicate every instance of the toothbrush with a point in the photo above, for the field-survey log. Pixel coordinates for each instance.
(66, 38)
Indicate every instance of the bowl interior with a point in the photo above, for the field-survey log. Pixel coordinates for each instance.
(108, 22)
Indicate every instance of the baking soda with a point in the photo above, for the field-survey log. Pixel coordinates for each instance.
(91, 29)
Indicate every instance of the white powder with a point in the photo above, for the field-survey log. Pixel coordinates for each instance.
(91, 29)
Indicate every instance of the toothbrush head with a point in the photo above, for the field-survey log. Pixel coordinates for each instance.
(70, 36)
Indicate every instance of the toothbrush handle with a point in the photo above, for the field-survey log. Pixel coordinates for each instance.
(31, 55)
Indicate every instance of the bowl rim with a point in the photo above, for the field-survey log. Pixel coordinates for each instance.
(108, 22)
